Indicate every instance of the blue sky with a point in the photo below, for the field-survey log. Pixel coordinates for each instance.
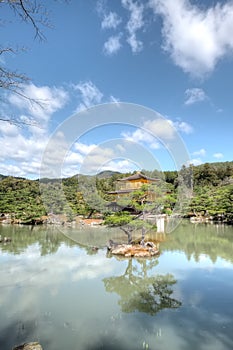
(172, 56)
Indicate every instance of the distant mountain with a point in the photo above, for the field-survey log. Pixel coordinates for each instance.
(107, 174)
(13, 177)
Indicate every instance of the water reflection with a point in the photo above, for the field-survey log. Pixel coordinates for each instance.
(197, 239)
(22, 237)
(50, 238)
(67, 296)
(138, 291)
(205, 320)
(194, 240)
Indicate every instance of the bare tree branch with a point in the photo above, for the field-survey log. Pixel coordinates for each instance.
(35, 14)
(19, 122)
(30, 12)
(12, 80)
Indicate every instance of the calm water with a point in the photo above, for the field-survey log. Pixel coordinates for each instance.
(67, 296)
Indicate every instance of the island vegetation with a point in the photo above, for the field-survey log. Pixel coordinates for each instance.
(212, 198)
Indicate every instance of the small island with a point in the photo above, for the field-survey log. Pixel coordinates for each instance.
(134, 250)
(29, 346)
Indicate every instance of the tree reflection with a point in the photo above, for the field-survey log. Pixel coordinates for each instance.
(22, 237)
(141, 291)
(48, 238)
(215, 241)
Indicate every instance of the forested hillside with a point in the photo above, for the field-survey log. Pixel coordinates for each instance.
(212, 189)
(21, 198)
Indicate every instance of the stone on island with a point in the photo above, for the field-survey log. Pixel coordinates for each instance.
(29, 346)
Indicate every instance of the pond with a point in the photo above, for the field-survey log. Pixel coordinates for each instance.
(56, 289)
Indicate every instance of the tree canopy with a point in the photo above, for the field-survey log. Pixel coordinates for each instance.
(22, 197)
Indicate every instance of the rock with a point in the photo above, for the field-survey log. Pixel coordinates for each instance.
(95, 249)
(136, 250)
(29, 346)
(121, 249)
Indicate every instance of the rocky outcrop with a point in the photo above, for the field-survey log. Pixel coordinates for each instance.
(134, 250)
(29, 346)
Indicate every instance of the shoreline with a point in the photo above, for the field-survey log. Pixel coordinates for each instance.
(61, 220)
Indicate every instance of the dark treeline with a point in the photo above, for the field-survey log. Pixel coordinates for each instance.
(21, 198)
(210, 174)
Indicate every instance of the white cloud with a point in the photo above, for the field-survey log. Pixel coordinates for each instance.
(196, 38)
(194, 95)
(48, 101)
(135, 23)
(218, 155)
(122, 165)
(100, 7)
(114, 99)
(94, 161)
(154, 130)
(201, 152)
(22, 149)
(8, 129)
(183, 127)
(120, 148)
(17, 147)
(136, 45)
(10, 169)
(110, 20)
(112, 45)
(21, 154)
(161, 128)
(91, 159)
(195, 161)
(89, 93)
(166, 128)
(141, 136)
(54, 155)
(73, 158)
(83, 148)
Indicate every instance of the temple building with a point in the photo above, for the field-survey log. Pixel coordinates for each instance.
(132, 183)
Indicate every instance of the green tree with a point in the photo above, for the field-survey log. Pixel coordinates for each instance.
(147, 200)
(21, 198)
